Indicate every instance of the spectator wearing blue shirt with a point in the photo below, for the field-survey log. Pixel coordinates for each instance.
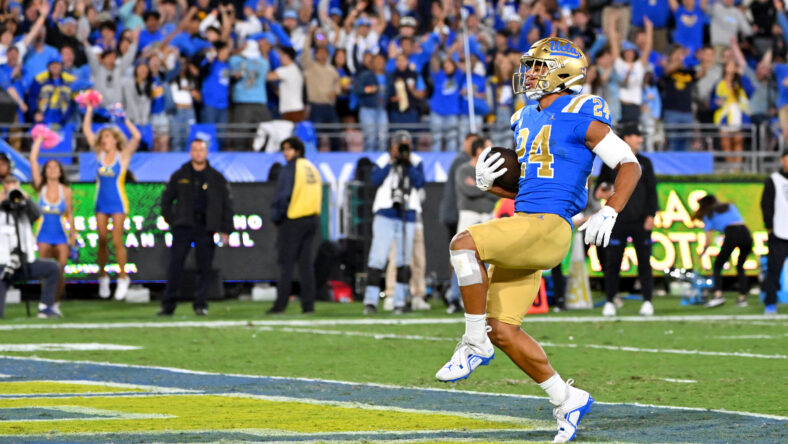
(406, 89)
(215, 89)
(781, 74)
(152, 32)
(658, 12)
(479, 93)
(370, 87)
(50, 96)
(445, 104)
(130, 14)
(689, 20)
(12, 71)
(725, 218)
(37, 58)
(249, 70)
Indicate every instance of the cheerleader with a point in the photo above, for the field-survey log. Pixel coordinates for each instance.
(114, 154)
(57, 208)
(725, 218)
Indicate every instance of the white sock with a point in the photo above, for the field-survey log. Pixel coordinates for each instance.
(556, 389)
(475, 327)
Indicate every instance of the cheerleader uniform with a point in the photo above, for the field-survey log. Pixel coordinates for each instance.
(737, 235)
(111, 188)
(53, 228)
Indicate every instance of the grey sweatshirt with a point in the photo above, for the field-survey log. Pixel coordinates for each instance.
(470, 198)
(136, 106)
(110, 82)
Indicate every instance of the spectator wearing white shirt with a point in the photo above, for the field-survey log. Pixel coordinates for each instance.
(291, 86)
(631, 68)
(726, 23)
(360, 41)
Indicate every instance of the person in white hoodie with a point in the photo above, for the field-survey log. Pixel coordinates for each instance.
(18, 248)
(398, 176)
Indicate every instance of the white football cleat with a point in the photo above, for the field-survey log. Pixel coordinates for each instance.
(122, 288)
(419, 304)
(104, 292)
(647, 309)
(466, 358)
(609, 309)
(570, 412)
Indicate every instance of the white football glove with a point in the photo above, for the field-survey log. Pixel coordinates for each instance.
(599, 226)
(487, 169)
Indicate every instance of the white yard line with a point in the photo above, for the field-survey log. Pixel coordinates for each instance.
(65, 347)
(375, 321)
(751, 336)
(680, 381)
(544, 344)
(368, 384)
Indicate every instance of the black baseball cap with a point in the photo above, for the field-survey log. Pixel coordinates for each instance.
(629, 129)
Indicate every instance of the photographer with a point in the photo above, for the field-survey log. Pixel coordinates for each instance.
(398, 175)
(18, 246)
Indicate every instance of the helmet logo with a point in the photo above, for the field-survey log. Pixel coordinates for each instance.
(558, 47)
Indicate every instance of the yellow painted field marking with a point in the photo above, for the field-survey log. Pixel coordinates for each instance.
(198, 412)
(60, 388)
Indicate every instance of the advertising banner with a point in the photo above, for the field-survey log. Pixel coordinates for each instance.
(249, 255)
(678, 240)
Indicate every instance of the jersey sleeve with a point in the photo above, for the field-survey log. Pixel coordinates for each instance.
(594, 108)
(587, 108)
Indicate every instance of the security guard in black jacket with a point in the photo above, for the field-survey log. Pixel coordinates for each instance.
(196, 204)
(636, 220)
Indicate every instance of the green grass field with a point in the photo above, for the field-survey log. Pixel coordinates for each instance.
(714, 362)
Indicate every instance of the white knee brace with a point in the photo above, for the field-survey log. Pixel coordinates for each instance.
(466, 267)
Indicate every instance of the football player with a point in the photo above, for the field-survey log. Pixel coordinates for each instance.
(556, 142)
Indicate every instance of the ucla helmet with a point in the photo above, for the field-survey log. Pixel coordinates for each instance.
(555, 64)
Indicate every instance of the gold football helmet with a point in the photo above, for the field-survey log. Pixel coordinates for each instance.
(551, 65)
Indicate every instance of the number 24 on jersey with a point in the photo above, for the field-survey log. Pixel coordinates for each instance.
(539, 152)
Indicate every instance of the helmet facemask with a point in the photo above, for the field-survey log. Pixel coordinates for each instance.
(538, 69)
(546, 82)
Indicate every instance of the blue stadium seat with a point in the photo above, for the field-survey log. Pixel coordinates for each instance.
(207, 132)
(306, 132)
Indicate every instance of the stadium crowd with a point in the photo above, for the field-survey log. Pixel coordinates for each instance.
(172, 63)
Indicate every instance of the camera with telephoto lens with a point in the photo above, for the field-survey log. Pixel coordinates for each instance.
(400, 180)
(15, 202)
(404, 154)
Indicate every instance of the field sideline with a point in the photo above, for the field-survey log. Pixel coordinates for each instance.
(117, 373)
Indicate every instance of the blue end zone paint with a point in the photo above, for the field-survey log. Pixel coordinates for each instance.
(603, 423)
(39, 413)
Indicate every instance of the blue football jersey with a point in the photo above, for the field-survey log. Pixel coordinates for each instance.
(554, 160)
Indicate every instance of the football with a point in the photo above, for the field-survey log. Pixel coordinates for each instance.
(511, 179)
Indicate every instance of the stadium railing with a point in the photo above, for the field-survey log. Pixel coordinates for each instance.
(761, 143)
